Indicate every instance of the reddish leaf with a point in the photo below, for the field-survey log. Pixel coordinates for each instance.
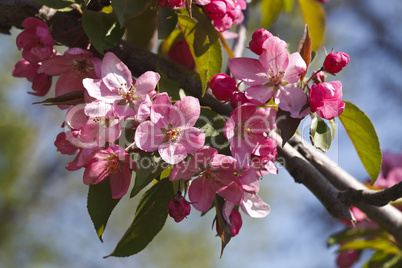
(305, 49)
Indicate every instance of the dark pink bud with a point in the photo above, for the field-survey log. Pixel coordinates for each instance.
(258, 39)
(216, 10)
(181, 54)
(170, 3)
(238, 98)
(235, 223)
(222, 86)
(335, 62)
(319, 77)
(347, 258)
(178, 207)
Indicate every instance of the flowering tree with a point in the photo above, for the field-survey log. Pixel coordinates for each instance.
(174, 124)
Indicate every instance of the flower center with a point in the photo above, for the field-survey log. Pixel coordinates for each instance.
(128, 95)
(173, 134)
(81, 67)
(113, 162)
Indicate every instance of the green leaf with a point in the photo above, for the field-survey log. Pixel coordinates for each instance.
(286, 124)
(126, 9)
(211, 123)
(100, 205)
(204, 43)
(351, 234)
(314, 16)
(364, 137)
(167, 22)
(140, 30)
(381, 259)
(147, 169)
(102, 29)
(271, 9)
(380, 244)
(288, 5)
(56, 4)
(320, 133)
(149, 219)
(171, 87)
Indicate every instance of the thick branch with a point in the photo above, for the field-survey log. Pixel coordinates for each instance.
(387, 217)
(376, 198)
(303, 172)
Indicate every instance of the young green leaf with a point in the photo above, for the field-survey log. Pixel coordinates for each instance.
(380, 244)
(314, 16)
(204, 43)
(320, 133)
(146, 171)
(167, 21)
(362, 133)
(149, 219)
(271, 9)
(351, 234)
(102, 29)
(126, 9)
(100, 205)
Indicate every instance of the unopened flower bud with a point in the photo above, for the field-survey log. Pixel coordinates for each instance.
(170, 3)
(178, 207)
(258, 39)
(216, 10)
(335, 62)
(223, 87)
(235, 223)
(326, 99)
(238, 98)
(319, 77)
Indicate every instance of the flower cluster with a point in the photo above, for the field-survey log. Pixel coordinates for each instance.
(118, 117)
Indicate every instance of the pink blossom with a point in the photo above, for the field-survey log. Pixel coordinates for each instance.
(117, 87)
(326, 99)
(178, 207)
(389, 161)
(319, 77)
(216, 10)
(75, 65)
(274, 74)
(335, 62)
(251, 203)
(225, 13)
(111, 162)
(64, 146)
(36, 40)
(223, 86)
(170, 130)
(92, 125)
(215, 175)
(264, 163)
(246, 131)
(258, 38)
(40, 82)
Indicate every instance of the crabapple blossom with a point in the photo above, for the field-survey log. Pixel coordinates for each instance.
(35, 41)
(64, 146)
(170, 130)
(40, 82)
(257, 39)
(237, 99)
(319, 77)
(274, 74)
(75, 65)
(178, 207)
(113, 161)
(326, 99)
(224, 13)
(92, 125)
(335, 62)
(215, 175)
(116, 86)
(246, 131)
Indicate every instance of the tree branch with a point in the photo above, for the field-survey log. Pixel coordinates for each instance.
(387, 217)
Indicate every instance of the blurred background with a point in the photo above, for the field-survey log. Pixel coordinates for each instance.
(43, 216)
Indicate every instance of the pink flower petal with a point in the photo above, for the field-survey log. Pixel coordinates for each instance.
(295, 68)
(275, 57)
(185, 112)
(192, 139)
(115, 73)
(120, 182)
(201, 193)
(172, 152)
(253, 206)
(259, 94)
(292, 99)
(95, 172)
(148, 137)
(248, 70)
(146, 83)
